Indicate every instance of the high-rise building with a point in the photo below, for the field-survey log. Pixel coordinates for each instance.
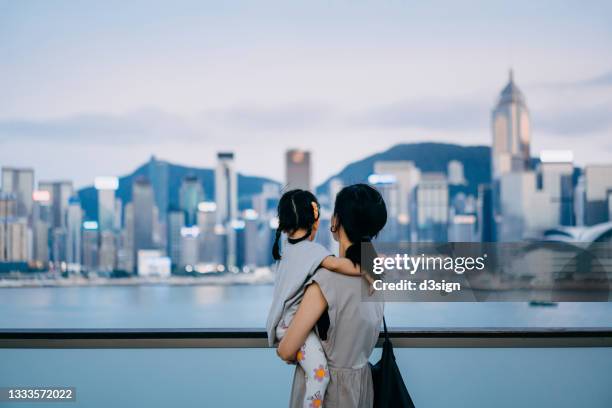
(252, 239)
(8, 205)
(580, 201)
(126, 259)
(609, 204)
(191, 194)
(176, 221)
(42, 215)
(265, 203)
(511, 132)
(59, 194)
(118, 221)
(159, 177)
(486, 216)
(19, 182)
(297, 169)
(431, 206)
(8, 210)
(226, 188)
(107, 255)
(455, 173)
(90, 245)
(74, 220)
(598, 184)
(40, 244)
(14, 231)
(226, 197)
(462, 228)
(189, 248)
(556, 172)
(143, 202)
(58, 248)
(106, 187)
(387, 186)
(407, 176)
(211, 234)
(526, 210)
(462, 203)
(14, 240)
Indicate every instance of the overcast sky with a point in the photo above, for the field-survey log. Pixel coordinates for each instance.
(95, 88)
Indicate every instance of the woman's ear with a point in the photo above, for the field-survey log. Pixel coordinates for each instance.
(334, 227)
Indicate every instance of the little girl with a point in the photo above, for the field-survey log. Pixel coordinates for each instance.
(298, 216)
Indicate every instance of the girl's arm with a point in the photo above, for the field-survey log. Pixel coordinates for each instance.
(346, 267)
(341, 265)
(310, 310)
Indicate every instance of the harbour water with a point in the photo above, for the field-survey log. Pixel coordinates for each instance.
(553, 377)
(221, 306)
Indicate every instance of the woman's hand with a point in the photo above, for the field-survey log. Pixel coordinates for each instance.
(310, 310)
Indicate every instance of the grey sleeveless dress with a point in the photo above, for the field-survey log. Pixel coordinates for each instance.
(354, 326)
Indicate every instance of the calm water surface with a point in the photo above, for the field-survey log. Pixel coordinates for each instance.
(247, 306)
(436, 378)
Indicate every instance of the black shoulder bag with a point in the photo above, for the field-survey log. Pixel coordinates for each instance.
(389, 388)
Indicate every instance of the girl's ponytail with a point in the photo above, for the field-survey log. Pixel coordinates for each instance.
(276, 247)
(362, 253)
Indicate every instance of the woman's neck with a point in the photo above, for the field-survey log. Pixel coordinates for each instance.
(343, 246)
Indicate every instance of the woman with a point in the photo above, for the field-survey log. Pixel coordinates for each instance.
(348, 327)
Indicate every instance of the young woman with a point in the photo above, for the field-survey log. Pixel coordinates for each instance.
(353, 325)
(298, 215)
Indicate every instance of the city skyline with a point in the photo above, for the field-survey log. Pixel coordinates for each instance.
(108, 92)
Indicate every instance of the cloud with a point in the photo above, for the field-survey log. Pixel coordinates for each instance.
(575, 120)
(427, 113)
(154, 125)
(140, 126)
(150, 125)
(597, 81)
(600, 80)
(305, 115)
(572, 119)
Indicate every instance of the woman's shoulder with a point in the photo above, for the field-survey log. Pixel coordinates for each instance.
(335, 285)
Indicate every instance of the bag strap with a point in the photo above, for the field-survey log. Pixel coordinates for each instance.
(385, 327)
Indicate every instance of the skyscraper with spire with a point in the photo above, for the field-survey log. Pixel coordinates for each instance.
(511, 132)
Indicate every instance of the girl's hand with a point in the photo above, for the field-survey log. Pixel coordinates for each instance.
(371, 281)
(291, 362)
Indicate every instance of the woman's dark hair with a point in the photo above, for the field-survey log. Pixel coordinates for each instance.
(362, 213)
(294, 212)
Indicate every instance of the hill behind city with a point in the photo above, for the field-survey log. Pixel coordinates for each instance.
(429, 157)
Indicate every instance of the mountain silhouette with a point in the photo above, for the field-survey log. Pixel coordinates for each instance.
(429, 157)
(157, 170)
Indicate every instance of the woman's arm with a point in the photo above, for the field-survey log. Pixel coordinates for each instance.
(310, 310)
